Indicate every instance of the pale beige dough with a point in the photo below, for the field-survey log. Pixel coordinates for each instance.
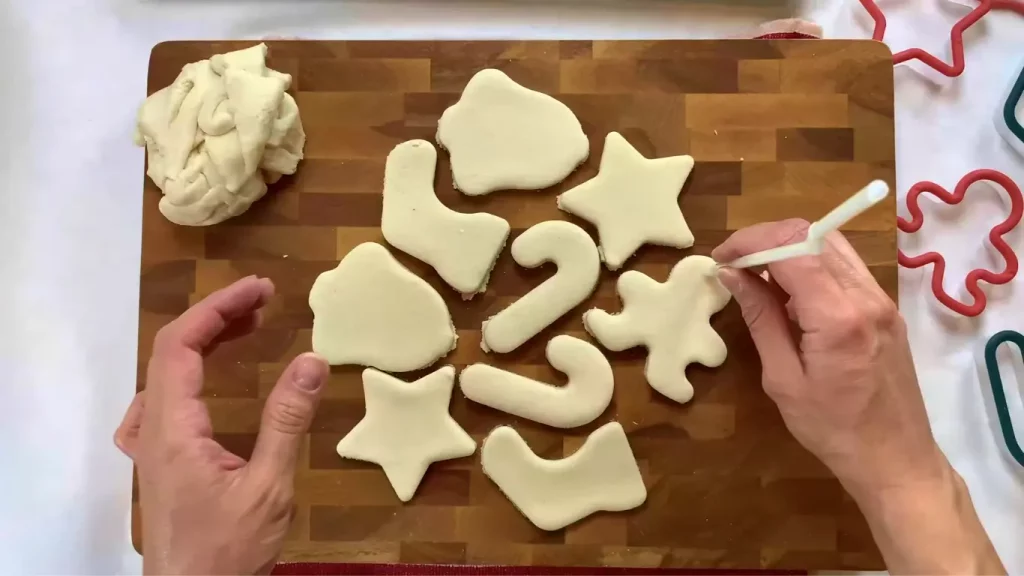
(583, 399)
(218, 135)
(601, 475)
(632, 201)
(503, 136)
(372, 311)
(672, 320)
(407, 427)
(574, 252)
(461, 247)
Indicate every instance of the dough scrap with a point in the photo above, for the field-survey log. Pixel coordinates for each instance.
(407, 427)
(218, 135)
(461, 247)
(672, 320)
(632, 201)
(601, 475)
(504, 136)
(574, 252)
(583, 399)
(372, 311)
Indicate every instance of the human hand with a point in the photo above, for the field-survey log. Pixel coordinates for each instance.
(205, 510)
(836, 360)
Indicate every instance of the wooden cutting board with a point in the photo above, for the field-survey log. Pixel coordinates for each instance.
(778, 129)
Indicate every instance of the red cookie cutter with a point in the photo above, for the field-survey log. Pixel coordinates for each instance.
(956, 36)
(995, 236)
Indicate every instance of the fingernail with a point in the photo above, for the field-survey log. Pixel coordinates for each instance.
(309, 372)
(730, 279)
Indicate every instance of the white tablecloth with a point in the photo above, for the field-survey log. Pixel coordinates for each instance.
(75, 70)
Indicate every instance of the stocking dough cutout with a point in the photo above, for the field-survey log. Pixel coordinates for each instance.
(503, 136)
(632, 201)
(461, 247)
(601, 475)
(575, 254)
(672, 320)
(583, 399)
(372, 311)
(407, 427)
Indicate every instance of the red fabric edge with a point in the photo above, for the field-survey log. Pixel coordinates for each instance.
(786, 36)
(320, 569)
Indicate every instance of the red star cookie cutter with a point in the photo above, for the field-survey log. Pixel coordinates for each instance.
(956, 36)
(995, 236)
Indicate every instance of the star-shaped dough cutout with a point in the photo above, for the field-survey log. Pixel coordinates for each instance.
(632, 201)
(407, 427)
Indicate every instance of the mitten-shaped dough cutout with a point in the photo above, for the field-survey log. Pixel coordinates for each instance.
(632, 201)
(407, 427)
(601, 475)
(461, 247)
(672, 320)
(503, 136)
(371, 310)
(575, 254)
(584, 398)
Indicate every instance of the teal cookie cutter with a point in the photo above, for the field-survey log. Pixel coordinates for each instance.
(1007, 122)
(998, 391)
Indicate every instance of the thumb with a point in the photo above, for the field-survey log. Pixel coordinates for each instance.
(287, 415)
(766, 318)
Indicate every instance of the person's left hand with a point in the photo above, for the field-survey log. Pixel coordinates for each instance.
(205, 510)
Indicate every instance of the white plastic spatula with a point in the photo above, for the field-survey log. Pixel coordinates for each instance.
(868, 196)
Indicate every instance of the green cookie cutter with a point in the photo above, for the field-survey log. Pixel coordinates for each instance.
(998, 392)
(1011, 127)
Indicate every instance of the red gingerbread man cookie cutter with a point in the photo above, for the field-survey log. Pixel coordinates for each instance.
(956, 35)
(995, 236)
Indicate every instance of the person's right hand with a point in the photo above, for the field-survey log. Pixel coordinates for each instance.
(843, 379)
(836, 361)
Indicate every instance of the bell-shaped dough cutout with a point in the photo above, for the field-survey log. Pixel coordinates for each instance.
(601, 475)
(672, 320)
(461, 247)
(503, 136)
(583, 399)
(575, 254)
(372, 311)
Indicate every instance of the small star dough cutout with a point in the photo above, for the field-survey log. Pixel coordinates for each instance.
(672, 320)
(373, 311)
(601, 475)
(579, 402)
(407, 427)
(461, 247)
(632, 201)
(503, 136)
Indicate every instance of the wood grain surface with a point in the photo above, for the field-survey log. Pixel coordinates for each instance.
(778, 129)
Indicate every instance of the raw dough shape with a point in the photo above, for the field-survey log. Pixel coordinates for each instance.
(218, 135)
(372, 311)
(672, 320)
(601, 475)
(407, 427)
(574, 252)
(583, 399)
(632, 201)
(461, 247)
(503, 136)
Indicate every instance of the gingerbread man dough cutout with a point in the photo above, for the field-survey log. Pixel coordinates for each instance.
(672, 320)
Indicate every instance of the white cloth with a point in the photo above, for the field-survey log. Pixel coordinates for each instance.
(74, 75)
